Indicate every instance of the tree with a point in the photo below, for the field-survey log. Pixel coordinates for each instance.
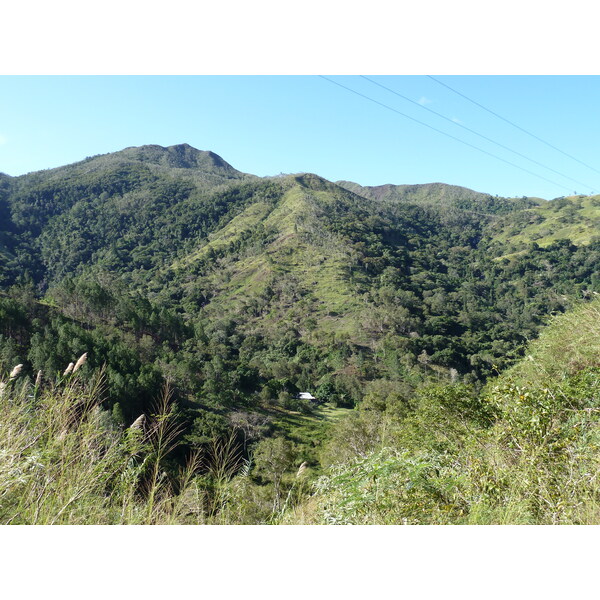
(272, 458)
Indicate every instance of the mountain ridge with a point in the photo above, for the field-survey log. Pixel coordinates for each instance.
(415, 265)
(391, 189)
(441, 194)
(168, 269)
(186, 157)
(203, 167)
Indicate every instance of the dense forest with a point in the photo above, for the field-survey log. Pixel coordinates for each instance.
(202, 301)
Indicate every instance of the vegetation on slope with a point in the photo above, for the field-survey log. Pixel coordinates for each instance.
(523, 451)
(576, 218)
(169, 267)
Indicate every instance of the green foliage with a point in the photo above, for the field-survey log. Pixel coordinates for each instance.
(524, 450)
(392, 306)
(272, 457)
(387, 488)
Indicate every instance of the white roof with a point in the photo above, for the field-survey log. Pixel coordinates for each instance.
(306, 396)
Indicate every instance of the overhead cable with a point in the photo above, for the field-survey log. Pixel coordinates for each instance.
(444, 133)
(539, 139)
(476, 133)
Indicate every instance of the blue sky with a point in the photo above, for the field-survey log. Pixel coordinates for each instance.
(271, 124)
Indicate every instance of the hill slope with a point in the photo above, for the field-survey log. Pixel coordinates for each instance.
(523, 451)
(576, 218)
(167, 265)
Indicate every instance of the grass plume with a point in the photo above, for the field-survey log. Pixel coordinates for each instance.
(64, 461)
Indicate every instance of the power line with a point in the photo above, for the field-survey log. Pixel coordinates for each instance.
(514, 124)
(444, 133)
(477, 133)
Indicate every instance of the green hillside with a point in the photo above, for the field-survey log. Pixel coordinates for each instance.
(524, 450)
(393, 306)
(576, 218)
(298, 255)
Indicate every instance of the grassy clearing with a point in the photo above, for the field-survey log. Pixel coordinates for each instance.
(308, 431)
(575, 218)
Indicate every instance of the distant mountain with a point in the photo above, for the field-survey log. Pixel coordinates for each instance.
(180, 156)
(180, 159)
(429, 192)
(440, 194)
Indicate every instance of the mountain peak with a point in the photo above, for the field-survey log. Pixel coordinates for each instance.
(181, 159)
(179, 156)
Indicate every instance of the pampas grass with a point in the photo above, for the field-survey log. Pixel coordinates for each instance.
(63, 461)
(301, 469)
(80, 362)
(69, 369)
(15, 372)
(139, 423)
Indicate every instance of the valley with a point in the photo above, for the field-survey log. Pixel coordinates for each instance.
(207, 300)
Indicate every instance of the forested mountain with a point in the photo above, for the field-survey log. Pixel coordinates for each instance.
(169, 266)
(440, 195)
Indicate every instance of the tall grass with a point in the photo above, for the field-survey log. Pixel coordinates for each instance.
(64, 461)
